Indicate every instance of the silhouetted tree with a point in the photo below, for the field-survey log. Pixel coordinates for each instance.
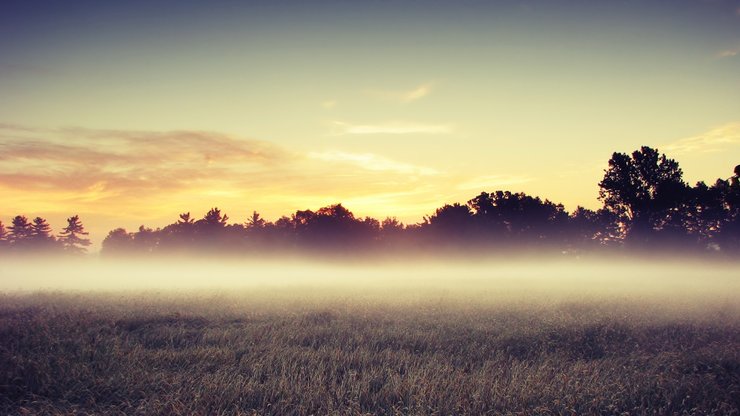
(73, 236)
(392, 233)
(146, 240)
(214, 218)
(118, 241)
(301, 220)
(331, 226)
(453, 223)
(20, 231)
(518, 217)
(257, 233)
(703, 214)
(3, 236)
(40, 235)
(589, 229)
(368, 230)
(284, 228)
(40, 228)
(645, 190)
(330, 229)
(488, 214)
(185, 219)
(728, 235)
(179, 235)
(211, 231)
(255, 221)
(284, 223)
(391, 225)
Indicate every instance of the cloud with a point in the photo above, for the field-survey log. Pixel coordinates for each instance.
(134, 177)
(404, 96)
(342, 128)
(417, 93)
(371, 162)
(728, 53)
(329, 104)
(116, 162)
(714, 140)
(144, 176)
(16, 128)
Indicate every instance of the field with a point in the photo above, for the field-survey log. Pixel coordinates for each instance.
(417, 347)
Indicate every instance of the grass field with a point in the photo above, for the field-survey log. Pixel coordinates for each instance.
(289, 350)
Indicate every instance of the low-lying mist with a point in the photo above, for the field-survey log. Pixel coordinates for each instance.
(524, 336)
(679, 284)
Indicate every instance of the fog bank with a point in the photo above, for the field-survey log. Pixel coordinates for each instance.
(493, 280)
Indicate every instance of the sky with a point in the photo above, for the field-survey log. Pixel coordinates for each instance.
(129, 113)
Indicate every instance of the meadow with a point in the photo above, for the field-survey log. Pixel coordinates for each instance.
(510, 342)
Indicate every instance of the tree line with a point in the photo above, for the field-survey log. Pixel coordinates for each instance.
(23, 236)
(646, 206)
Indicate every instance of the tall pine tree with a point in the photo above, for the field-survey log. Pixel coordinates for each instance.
(20, 231)
(40, 234)
(70, 237)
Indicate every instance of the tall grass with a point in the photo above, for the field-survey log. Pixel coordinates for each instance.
(247, 353)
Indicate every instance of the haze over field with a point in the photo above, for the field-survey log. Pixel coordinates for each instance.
(526, 279)
(239, 338)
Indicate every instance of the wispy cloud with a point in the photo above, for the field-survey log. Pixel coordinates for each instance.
(372, 162)
(727, 53)
(329, 104)
(341, 128)
(717, 139)
(116, 164)
(130, 177)
(417, 93)
(149, 174)
(403, 96)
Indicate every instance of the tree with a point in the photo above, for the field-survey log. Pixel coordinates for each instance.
(20, 231)
(301, 220)
(645, 190)
(40, 234)
(118, 241)
(518, 216)
(3, 235)
(487, 213)
(185, 219)
(214, 218)
(40, 229)
(704, 213)
(332, 227)
(211, 230)
(146, 240)
(588, 228)
(72, 236)
(255, 221)
(391, 225)
(728, 233)
(451, 222)
(368, 229)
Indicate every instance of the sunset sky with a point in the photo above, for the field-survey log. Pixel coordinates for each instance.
(131, 112)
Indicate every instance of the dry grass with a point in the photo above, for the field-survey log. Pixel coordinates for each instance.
(240, 354)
